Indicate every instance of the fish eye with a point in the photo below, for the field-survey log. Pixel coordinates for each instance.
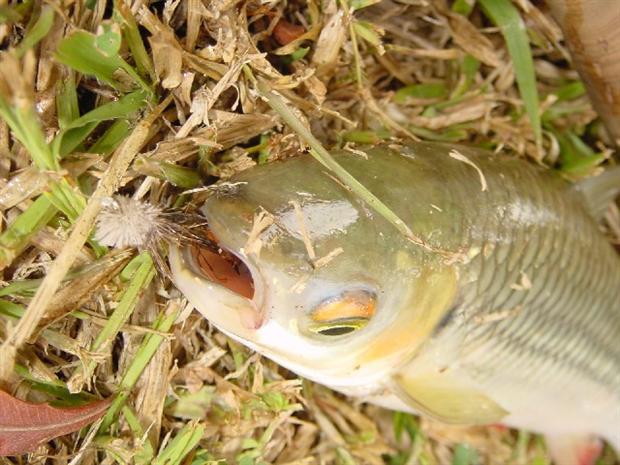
(344, 314)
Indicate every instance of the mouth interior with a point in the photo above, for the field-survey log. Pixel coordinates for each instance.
(220, 266)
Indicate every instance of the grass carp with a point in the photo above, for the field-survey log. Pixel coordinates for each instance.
(506, 311)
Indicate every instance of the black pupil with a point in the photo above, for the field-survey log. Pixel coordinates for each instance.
(337, 330)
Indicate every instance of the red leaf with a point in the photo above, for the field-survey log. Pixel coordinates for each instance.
(23, 425)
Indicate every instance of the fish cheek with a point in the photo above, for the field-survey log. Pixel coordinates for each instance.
(430, 299)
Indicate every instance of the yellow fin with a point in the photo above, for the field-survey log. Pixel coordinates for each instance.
(442, 397)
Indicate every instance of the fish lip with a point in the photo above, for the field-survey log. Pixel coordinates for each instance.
(259, 283)
(251, 315)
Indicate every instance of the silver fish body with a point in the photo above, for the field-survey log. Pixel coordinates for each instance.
(508, 312)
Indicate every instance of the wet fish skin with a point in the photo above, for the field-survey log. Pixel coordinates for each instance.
(512, 311)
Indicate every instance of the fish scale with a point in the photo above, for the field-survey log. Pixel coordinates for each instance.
(584, 279)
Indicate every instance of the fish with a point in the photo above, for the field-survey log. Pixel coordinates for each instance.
(502, 306)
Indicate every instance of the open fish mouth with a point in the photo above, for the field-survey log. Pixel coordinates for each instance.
(223, 267)
(220, 284)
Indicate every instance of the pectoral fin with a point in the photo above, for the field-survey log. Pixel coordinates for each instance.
(446, 399)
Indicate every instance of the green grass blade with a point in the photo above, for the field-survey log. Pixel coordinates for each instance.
(180, 176)
(39, 30)
(79, 51)
(77, 130)
(18, 234)
(12, 310)
(24, 123)
(124, 17)
(570, 91)
(421, 91)
(325, 158)
(97, 55)
(144, 456)
(67, 106)
(185, 440)
(140, 280)
(463, 7)
(15, 12)
(67, 199)
(576, 157)
(506, 16)
(112, 138)
(464, 455)
(147, 349)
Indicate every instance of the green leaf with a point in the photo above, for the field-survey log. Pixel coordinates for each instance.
(402, 422)
(17, 235)
(15, 12)
(179, 176)
(368, 32)
(147, 349)
(366, 137)
(142, 278)
(67, 106)
(11, 309)
(570, 91)
(421, 91)
(464, 455)
(24, 123)
(108, 39)
(575, 155)
(185, 440)
(112, 138)
(79, 51)
(77, 130)
(469, 67)
(506, 16)
(463, 7)
(450, 134)
(66, 198)
(9, 14)
(145, 453)
(192, 406)
(275, 400)
(249, 443)
(359, 4)
(299, 53)
(127, 22)
(95, 56)
(37, 31)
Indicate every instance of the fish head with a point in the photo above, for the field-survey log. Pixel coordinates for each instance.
(319, 282)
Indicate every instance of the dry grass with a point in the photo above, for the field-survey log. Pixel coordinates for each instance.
(171, 90)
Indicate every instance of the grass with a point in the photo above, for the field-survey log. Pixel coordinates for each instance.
(101, 98)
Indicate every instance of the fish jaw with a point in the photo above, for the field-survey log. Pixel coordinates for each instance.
(235, 315)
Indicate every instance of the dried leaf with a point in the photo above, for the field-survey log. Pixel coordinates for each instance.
(168, 61)
(24, 425)
(472, 40)
(285, 32)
